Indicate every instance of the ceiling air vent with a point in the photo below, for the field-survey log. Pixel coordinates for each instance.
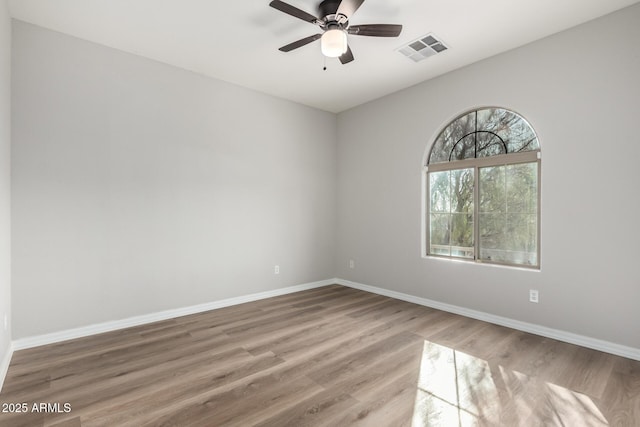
(422, 48)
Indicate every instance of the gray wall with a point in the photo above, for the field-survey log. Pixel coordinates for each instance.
(580, 91)
(139, 187)
(5, 176)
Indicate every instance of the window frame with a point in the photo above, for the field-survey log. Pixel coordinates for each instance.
(532, 156)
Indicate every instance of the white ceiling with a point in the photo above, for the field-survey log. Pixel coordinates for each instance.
(238, 40)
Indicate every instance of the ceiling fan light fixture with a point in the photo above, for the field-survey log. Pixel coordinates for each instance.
(334, 26)
(334, 43)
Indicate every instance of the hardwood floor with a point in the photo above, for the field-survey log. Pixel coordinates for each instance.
(332, 356)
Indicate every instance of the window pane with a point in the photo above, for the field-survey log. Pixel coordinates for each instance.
(508, 213)
(492, 190)
(451, 213)
(492, 237)
(453, 133)
(522, 232)
(440, 212)
(462, 235)
(439, 234)
(462, 190)
(517, 133)
(510, 127)
(464, 149)
(489, 144)
(483, 133)
(522, 188)
(439, 192)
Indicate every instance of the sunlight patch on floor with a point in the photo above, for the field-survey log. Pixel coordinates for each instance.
(457, 389)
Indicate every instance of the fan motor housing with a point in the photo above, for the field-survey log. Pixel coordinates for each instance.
(328, 7)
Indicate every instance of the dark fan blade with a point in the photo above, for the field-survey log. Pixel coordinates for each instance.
(293, 11)
(300, 43)
(347, 56)
(375, 30)
(349, 7)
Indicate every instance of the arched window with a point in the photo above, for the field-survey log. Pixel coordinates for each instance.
(483, 190)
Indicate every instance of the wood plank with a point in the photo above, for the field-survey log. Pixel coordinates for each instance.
(323, 357)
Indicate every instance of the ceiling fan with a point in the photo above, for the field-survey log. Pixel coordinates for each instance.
(335, 27)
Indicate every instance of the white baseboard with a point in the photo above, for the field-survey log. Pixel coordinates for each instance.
(581, 340)
(4, 364)
(35, 341)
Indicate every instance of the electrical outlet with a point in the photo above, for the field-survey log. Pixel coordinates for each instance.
(352, 264)
(6, 322)
(276, 269)
(533, 295)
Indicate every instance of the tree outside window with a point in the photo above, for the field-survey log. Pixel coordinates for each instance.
(484, 189)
